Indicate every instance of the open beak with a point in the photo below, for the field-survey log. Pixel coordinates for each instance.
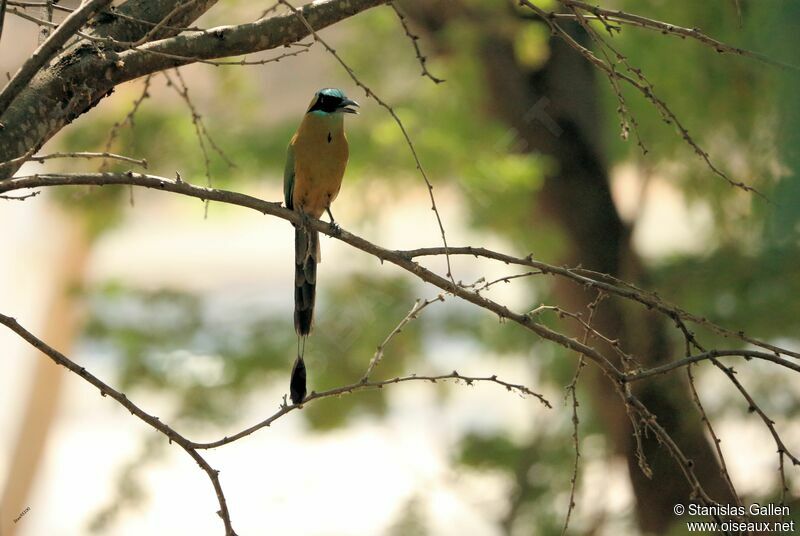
(346, 106)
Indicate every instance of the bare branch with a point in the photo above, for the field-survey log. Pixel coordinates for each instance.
(423, 61)
(711, 355)
(419, 305)
(122, 399)
(192, 447)
(227, 41)
(643, 86)
(362, 385)
(19, 197)
(397, 258)
(40, 158)
(723, 465)
(667, 28)
(48, 49)
(610, 284)
(572, 393)
(127, 120)
(404, 260)
(37, 5)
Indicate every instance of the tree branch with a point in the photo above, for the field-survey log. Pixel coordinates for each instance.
(362, 385)
(623, 17)
(610, 284)
(404, 260)
(48, 49)
(226, 41)
(86, 74)
(710, 355)
(122, 399)
(639, 414)
(192, 447)
(275, 209)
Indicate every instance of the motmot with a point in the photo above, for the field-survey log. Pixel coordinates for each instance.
(315, 162)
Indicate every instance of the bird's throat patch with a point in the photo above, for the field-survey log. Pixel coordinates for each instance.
(330, 138)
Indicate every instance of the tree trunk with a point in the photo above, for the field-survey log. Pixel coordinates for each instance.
(554, 112)
(576, 196)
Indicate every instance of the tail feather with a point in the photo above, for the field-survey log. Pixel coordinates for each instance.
(306, 257)
(297, 385)
(305, 278)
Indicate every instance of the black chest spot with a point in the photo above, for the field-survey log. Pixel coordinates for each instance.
(330, 138)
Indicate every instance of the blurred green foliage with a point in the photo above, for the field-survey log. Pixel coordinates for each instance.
(745, 113)
(176, 343)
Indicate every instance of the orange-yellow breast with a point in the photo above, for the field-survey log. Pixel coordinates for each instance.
(320, 158)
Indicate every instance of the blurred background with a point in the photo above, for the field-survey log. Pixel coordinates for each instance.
(190, 313)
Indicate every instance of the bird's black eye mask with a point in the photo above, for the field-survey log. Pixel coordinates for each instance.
(326, 103)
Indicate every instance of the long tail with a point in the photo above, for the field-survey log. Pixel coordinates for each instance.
(306, 256)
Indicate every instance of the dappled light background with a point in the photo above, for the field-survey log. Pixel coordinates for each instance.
(188, 309)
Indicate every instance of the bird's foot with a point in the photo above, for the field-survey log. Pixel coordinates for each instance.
(335, 228)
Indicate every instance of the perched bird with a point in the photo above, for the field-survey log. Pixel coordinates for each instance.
(315, 162)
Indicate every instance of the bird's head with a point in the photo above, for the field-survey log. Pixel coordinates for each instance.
(332, 101)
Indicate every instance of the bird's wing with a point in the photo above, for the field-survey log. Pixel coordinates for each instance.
(288, 176)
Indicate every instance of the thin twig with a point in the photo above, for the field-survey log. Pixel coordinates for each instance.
(723, 466)
(419, 305)
(626, 117)
(199, 128)
(245, 61)
(684, 463)
(88, 154)
(423, 61)
(571, 391)
(625, 358)
(160, 24)
(506, 279)
(666, 28)
(690, 341)
(127, 120)
(641, 84)
(20, 197)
